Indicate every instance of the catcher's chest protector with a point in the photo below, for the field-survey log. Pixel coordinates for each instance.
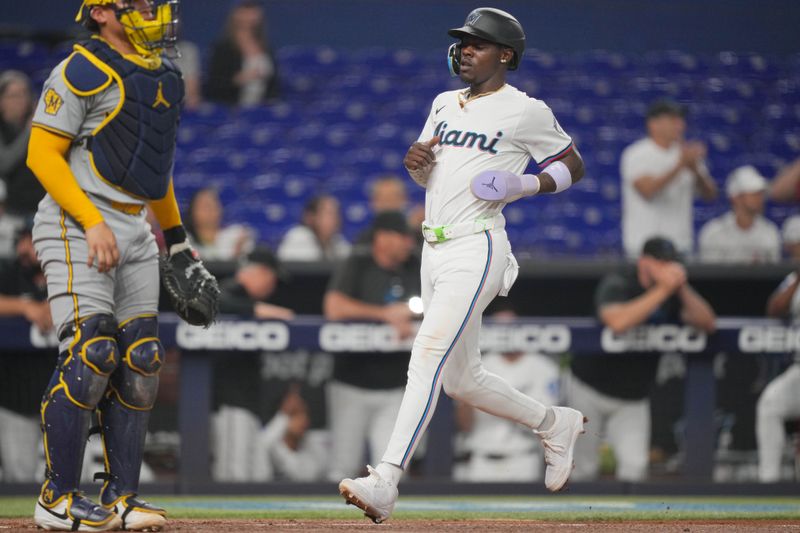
(134, 149)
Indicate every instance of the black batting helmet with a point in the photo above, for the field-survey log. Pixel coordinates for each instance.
(495, 26)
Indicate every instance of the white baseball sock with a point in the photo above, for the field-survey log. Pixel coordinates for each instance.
(389, 472)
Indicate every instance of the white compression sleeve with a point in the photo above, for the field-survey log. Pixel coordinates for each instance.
(530, 184)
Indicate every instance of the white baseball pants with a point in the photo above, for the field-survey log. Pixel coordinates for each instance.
(779, 402)
(625, 424)
(460, 277)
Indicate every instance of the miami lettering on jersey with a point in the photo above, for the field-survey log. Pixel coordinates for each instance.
(467, 139)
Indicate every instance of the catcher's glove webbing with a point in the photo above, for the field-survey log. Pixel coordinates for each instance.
(193, 291)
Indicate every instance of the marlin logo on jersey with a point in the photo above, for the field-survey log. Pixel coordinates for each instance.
(467, 139)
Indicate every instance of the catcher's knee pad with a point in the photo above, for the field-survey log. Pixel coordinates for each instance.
(84, 368)
(125, 410)
(136, 379)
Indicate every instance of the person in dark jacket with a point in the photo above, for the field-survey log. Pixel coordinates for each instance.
(237, 376)
(246, 294)
(16, 110)
(243, 69)
(23, 293)
(614, 391)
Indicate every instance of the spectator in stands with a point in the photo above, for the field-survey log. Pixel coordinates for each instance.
(660, 174)
(499, 450)
(23, 293)
(246, 294)
(374, 284)
(237, 381)
(742, 235)
(388, 193)
(246, 450)
(613, 391)
(786, 185)
(211, 240)
(243, 69)
(189, 63)
(318, 237)
(23, 286)
(284, 445)
(791, 238)
(780, 400)
(23, 190)
(9, 226)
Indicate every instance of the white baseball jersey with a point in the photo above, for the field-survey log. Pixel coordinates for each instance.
(502, 130)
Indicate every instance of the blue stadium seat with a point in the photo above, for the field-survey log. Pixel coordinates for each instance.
(347, 117)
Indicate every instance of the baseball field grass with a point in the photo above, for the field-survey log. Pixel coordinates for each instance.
(548, 508)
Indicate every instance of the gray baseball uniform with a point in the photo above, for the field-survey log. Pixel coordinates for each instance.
(121, 114)
(130, 289)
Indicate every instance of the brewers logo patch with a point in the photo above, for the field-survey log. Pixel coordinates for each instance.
(52, 102)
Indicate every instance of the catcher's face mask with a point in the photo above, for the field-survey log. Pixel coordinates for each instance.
(151, 25)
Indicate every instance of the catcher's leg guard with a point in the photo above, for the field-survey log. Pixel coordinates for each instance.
(125, 409)
(76, 387)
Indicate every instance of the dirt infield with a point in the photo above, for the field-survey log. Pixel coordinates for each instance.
(426, 526)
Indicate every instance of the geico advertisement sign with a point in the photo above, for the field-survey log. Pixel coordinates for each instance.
(757, 339)
(334, 337)
(273, 336)
(552, 338)
(661, 338)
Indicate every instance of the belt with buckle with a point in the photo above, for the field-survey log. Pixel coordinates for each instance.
(435, 234)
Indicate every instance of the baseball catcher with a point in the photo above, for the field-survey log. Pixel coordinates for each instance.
(103, 147)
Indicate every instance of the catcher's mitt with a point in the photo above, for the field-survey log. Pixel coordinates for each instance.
(193, 291)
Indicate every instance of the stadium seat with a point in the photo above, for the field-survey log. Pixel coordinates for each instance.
(346, 117)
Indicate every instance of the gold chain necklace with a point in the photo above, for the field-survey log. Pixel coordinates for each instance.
(462, 100)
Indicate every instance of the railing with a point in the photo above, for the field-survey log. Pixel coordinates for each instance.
(579, 337)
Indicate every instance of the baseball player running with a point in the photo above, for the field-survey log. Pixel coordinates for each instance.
(102, 145)
(469, 156)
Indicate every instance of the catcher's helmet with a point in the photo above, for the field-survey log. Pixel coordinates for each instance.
(149, 37)
(492, 25)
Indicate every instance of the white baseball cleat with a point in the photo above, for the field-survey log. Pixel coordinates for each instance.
(372, 494)
(74, 512)
(559, 445)
(138, 515)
